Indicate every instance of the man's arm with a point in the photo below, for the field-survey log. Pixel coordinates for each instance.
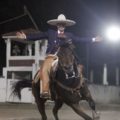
(32, 36)
(86, 39)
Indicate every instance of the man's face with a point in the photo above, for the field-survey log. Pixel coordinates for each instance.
(61, 27)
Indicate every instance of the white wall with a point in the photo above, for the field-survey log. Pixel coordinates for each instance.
(6, 96)
(105, 94)
(26, 93)
(100, 93)
(2, 90)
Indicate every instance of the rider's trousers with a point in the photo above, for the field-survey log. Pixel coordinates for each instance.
(45, 72)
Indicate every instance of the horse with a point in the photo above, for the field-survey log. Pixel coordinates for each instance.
(65, 86)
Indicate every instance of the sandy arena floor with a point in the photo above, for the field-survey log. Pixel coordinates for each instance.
(14, 111)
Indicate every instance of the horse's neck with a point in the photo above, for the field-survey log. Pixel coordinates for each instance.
(65, 51)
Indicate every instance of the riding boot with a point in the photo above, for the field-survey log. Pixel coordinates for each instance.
(44, 92)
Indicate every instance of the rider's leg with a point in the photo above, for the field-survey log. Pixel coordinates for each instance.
(44, 75)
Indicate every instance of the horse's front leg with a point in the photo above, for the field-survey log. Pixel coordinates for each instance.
(58, 105)
(79, 111)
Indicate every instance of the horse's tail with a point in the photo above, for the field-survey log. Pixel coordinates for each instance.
(18, 86)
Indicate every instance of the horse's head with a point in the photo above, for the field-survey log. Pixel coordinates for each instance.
(67, 60)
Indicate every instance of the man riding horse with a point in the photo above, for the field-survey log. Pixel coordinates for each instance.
(56, 38)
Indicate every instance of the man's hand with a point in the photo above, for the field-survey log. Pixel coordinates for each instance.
(97, 39)
(21, 35)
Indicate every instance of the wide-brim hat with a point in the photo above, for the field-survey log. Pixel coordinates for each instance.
(61, 19)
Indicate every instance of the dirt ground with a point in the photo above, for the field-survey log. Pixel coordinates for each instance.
(17, 111)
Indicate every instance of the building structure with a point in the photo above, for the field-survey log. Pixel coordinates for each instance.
(23, 59)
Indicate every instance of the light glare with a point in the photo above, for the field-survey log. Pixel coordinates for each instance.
(113, 33)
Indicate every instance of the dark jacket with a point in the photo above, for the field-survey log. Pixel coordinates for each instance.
(54, 40)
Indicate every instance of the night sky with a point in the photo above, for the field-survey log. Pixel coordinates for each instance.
(91, 17)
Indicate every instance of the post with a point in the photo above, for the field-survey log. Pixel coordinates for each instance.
(117, 76)
(87, 60)
(30, 49)
(37, 53)
(44, 48)
(105, 82)
(8, 51)
(91, 76)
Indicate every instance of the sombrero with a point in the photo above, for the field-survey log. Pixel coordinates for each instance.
(61, 19)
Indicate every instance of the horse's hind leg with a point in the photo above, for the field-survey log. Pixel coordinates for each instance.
(58, 105)
(91, 102)
(87, 96)
(93, 107)
(78, 110)
(41, 108)
(39, 101)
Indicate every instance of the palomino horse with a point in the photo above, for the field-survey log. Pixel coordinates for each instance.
(65, 87)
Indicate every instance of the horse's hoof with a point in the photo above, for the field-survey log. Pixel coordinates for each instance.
(97, 117)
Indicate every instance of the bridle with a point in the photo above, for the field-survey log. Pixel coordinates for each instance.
(74, 76)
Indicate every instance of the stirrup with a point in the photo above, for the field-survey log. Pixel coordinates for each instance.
(45, 95)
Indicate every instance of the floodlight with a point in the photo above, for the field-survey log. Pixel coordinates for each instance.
(113, 33)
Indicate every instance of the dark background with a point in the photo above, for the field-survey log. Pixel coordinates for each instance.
(91, 17)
